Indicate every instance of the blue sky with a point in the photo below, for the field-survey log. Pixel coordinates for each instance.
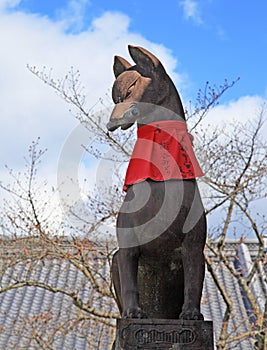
(211, 39)
(196, 40)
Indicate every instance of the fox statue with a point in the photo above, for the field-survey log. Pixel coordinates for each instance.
(158, 270)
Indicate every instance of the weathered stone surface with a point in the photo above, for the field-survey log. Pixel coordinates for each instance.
(161, 334)
(159, 268)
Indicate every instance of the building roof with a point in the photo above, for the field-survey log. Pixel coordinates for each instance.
(33, 318)
(241, 254)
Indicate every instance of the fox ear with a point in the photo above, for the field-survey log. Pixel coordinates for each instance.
(144, 59)
(120, 65)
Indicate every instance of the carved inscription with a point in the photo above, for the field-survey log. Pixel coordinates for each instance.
(158, 334)
(144, 336)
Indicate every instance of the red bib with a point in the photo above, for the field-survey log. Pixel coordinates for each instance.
(163, 151)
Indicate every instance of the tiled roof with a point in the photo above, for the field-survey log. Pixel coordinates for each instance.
(30, 314)
(213, 306)
(32, 317)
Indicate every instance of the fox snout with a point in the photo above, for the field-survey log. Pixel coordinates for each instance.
(123, 115)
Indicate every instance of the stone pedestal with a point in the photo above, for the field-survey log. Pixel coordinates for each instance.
(161, 334)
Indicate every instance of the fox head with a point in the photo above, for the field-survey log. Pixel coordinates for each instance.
(141, 87)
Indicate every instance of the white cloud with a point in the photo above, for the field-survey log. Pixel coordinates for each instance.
(30, 109)
(73, 15)
(5, 4)
(246, 108)
(191, 11)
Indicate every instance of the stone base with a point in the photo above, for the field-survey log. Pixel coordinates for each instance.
(159, 334)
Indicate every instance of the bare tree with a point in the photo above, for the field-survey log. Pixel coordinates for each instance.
(33, 240)
(236, 179)
(235, 164)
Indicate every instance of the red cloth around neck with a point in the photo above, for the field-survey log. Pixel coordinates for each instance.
(163, 151)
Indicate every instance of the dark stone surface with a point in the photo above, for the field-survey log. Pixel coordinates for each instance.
(161, 334)
(159, 268)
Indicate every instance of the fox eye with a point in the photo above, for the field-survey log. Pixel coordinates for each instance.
(130, 90)
(128, 93)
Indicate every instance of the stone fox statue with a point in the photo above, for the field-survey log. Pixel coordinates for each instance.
(158, 271)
